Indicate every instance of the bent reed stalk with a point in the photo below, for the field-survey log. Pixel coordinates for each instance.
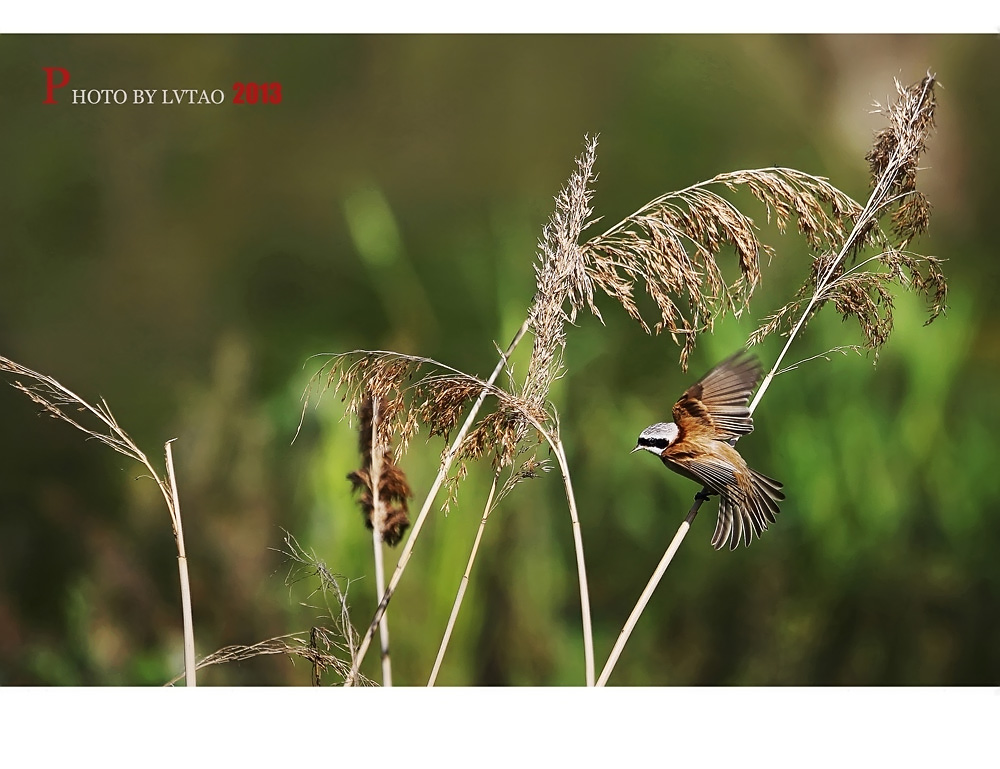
(53, 397)
(893, 160)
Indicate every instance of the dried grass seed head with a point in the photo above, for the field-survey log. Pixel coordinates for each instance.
(560, 275)
(673, 244)
(895, 155)
(861, 289)
(435, 399)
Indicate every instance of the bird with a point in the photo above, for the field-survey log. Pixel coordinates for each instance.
(708, 419)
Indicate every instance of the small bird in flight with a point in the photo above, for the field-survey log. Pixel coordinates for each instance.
(710, 415)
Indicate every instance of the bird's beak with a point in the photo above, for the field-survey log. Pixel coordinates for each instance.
(635, 449)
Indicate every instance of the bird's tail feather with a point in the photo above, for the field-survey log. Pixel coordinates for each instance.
(745, 515)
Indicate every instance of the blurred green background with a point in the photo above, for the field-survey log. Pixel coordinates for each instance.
(184, 261)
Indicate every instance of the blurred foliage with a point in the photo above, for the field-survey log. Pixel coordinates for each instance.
(184, 261)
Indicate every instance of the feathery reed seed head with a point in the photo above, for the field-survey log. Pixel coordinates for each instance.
(560, 274)
(673, 243)
(860, 289)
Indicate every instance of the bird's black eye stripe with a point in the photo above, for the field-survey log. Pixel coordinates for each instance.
(656, 443)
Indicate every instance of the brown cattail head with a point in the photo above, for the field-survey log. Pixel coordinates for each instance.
(391, 517)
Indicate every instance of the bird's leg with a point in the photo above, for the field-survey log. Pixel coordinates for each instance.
(703, 495)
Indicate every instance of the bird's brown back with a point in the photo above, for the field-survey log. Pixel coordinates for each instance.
(715, 407)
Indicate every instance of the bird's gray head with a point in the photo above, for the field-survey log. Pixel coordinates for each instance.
(656, 438)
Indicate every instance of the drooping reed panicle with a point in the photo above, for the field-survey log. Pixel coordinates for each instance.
(857, 287)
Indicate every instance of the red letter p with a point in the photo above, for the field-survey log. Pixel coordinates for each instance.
(51, 85)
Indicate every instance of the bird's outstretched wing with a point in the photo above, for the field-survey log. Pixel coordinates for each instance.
(716, 405)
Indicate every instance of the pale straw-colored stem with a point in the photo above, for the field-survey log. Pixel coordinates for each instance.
(383, 625)
(446, 463)
(588, 633)
(51, 394)
(555, 443)
(378, 524)
(878, 198)
(462, 586)
(581, 568)
(821, 286)
(640, 605)
(682, 530)
(182, 567)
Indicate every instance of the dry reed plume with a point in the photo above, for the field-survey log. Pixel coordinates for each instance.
(858, 287)
(674, 242)
(861, 288)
